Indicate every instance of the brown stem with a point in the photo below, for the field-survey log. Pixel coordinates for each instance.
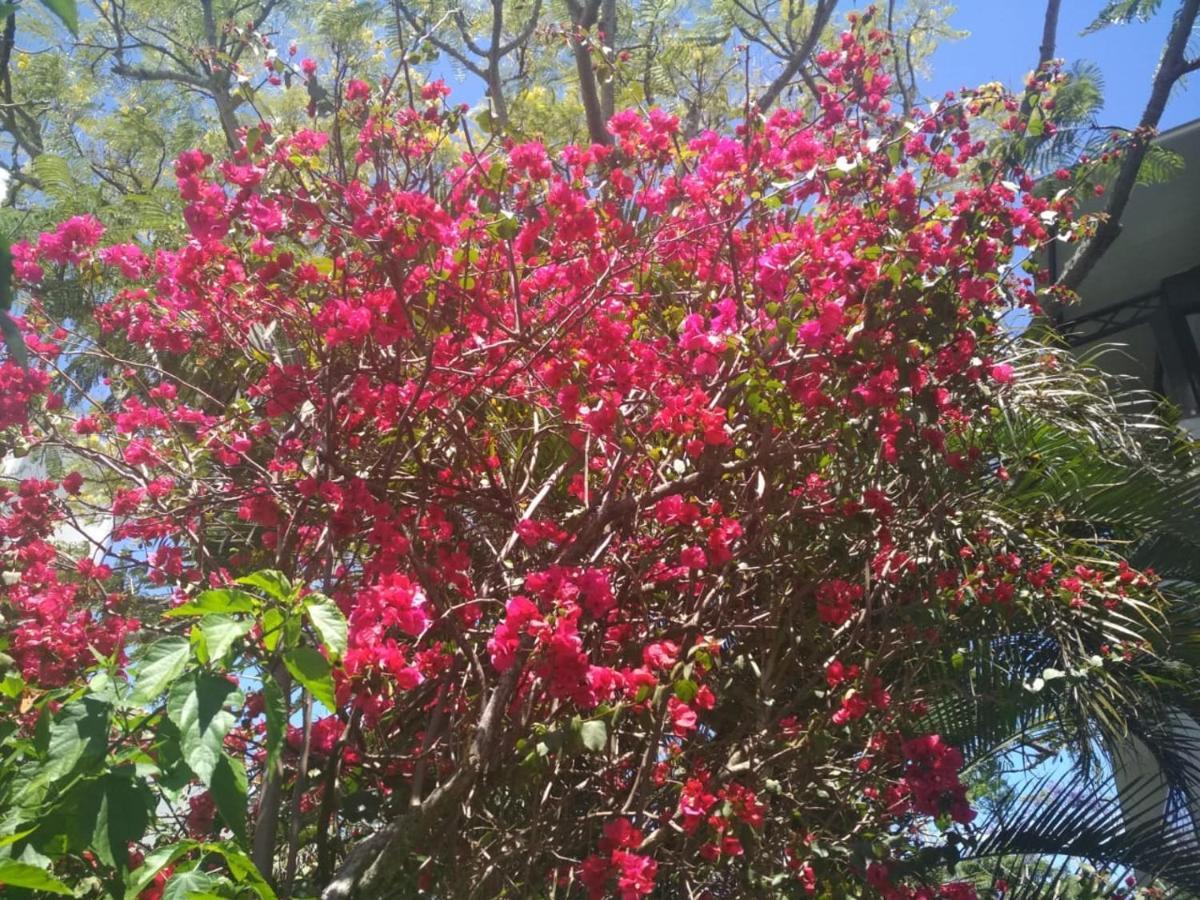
(266, 823)
(297, 797)
(373, 865)
(799, 56)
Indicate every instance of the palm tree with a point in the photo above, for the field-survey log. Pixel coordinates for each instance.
(1087, 763)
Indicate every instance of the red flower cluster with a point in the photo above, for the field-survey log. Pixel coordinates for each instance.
(637, 471)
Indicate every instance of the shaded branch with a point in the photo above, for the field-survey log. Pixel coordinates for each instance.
(1173, 66)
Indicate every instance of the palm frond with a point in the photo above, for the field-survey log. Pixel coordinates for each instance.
(1072, 821)
(1122, 12)
(991, 702)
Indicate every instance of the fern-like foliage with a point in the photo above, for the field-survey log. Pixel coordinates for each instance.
(1122, 12)
(1075, 819)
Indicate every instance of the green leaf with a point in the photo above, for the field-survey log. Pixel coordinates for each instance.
(1122, 12)
(12, 686)
(311, 669)
(273, 627)
(186, 885)
(14, 340)
(7, 839)
(329, 623)
(274, 584)
(55, 176)
(197, 707)
(124, 813)
(220, 601)
(220, 633)
(154, 863)
(507, 226)
(243, 870)
(276, 708)
(686, 690)
(15, 874)
(1036, 126)
(149, 213)
(228, 790)
(78, 733)
(157, 666)
(6, 267)
(594, 734)
(66, 12)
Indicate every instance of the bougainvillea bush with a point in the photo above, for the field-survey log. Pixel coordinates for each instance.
(507, 521)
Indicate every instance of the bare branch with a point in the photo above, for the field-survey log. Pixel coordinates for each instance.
(821, 15)
(139, 73)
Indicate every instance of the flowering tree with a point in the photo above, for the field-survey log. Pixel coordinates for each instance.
(506, 521)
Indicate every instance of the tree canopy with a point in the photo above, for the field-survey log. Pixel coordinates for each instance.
(581, 497)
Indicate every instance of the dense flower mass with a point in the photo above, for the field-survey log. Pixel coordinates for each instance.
(635, 475)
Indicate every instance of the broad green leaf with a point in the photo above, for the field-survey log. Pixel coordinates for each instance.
(229, 792)
(197, 707)
(220, 633)
(594, 734)
(22, 875)
(686, 690)
(67, 13)
(219, 601)
(29, 786)
(311, 669)
(12, 686)
(272, 627)
(155, 862)
(329, 623)
(78, 733)
(1036, 126)
(187, 885)
(274, 584)
(122, 817)
(174, 774)
(65, 818)
(243, 869)
(157, 666)
(277, 712)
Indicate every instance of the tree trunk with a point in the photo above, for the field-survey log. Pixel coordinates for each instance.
(226, 113)
(608, 87)
(495, 95)
(583, 18)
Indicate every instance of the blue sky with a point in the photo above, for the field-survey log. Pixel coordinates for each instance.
(1003, 46)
